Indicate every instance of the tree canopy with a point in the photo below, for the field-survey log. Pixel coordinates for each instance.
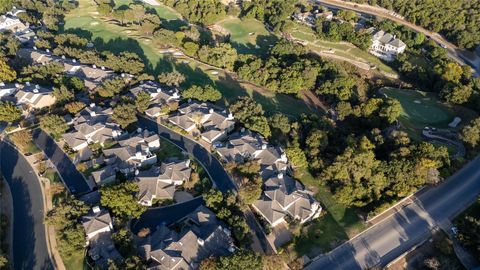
(207, 93)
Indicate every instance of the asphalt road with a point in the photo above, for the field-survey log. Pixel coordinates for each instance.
(72, 178)
(29, 240)
(214, 168)
(453, 51)
(390, 238)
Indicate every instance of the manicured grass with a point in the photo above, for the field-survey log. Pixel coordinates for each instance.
(86, 22)
(337, 224)
(245, 34)
(168, 150)
(343, 49)
(52, 175)
(76, 261)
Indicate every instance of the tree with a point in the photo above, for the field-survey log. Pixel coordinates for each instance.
(347, 15)
(7, 74)
(250, 113)
(171, 78)
(471, 133)
(391, 110)
(296, 155)
(281, 122)
(110, 87)
(456, 94)
(121, 200)
(74, 107)
(142, 101)
(207, 93)
(124, 115)
(9, 112)
(62, 94)
(250, 189)
(222, 56)
(241, 260)
(54, 125)
(22, 139)
(451, 72)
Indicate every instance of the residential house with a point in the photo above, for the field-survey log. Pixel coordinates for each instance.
(241, 146)
(91, 125)
(92, 76)
(160, 182)
(386, 46)
(34, 96)
(98, 227)
(133, 152)
(284, 196)
(201, 235)
(202, 120)
(11, 23)
(8, 90)
(161, 96)
(33, 56)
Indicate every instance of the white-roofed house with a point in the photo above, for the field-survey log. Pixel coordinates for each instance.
(386, 46)
(35, 96)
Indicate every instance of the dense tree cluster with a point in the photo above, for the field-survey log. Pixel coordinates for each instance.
(204, 12)
(111, 87)
(171, 78)
(121, 200)
(53, 124)
(223, 55)
(65, 217)
(227, 208)
(9, 112)
(338, 31)
(457, 20)
(7, 74)
(125, 114)
(251, 114)
(275, 13)
(206, 93)
(470, 133)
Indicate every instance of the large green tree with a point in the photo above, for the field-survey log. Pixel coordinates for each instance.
(251, 114)
(207, 93)
(471, 133)
(124, 114)
(121, 200)
(9, 112)
(7, 74)
(171, 78)
(53, 124)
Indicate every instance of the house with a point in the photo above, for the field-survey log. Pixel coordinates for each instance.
(386, 46)
(104, 175)
(33, 56)
(34, 96)
(241, 146)
(8, 90)
(202, 120)
(11, 23)
(133, 152)
(284, 196)
(161, 96)
(98, 226)
(92, 125)
(92, 76)
(201, 235)
(160, 182)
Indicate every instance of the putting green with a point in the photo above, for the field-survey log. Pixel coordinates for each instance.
(421, 109)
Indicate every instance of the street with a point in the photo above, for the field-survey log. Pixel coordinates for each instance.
(29, 240)
(72, 178)
(390, 238)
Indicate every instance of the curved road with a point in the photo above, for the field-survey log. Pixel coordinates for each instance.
(452, 49)
(29, 240)
(390, 238)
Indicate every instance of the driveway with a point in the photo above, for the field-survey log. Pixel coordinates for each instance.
(29, 240)
(214, 168)
(73, 179)
(390, 238)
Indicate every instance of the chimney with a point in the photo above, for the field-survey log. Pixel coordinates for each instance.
(159, 90)
(96, 209)
(280, 176)
(230, 116)
(122, 75)
(34, 48)
(74, 60)
(17, 85)
(37, 86)
(47, 50)
(94, 66)
(242, 130)
(63, 57)
(200, 241)
(284, 157)
(137, 172)
(35, 91)
(210, 110)
(264, 146)
(27, 83)
(138, 154)
(139, 130)
(102, 68)
(187, 163)
(175, 95)
(92, 105)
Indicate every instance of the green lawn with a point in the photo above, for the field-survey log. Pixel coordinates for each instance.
(76, 261)
(337, 224)
(168, 150)
(246, 34)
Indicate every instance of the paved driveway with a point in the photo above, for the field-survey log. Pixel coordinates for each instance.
(395, 235)
(30, 244)
(73, 179)
(214, 168)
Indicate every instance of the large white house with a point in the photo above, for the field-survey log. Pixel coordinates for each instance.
(11, 23)
(386, 46)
